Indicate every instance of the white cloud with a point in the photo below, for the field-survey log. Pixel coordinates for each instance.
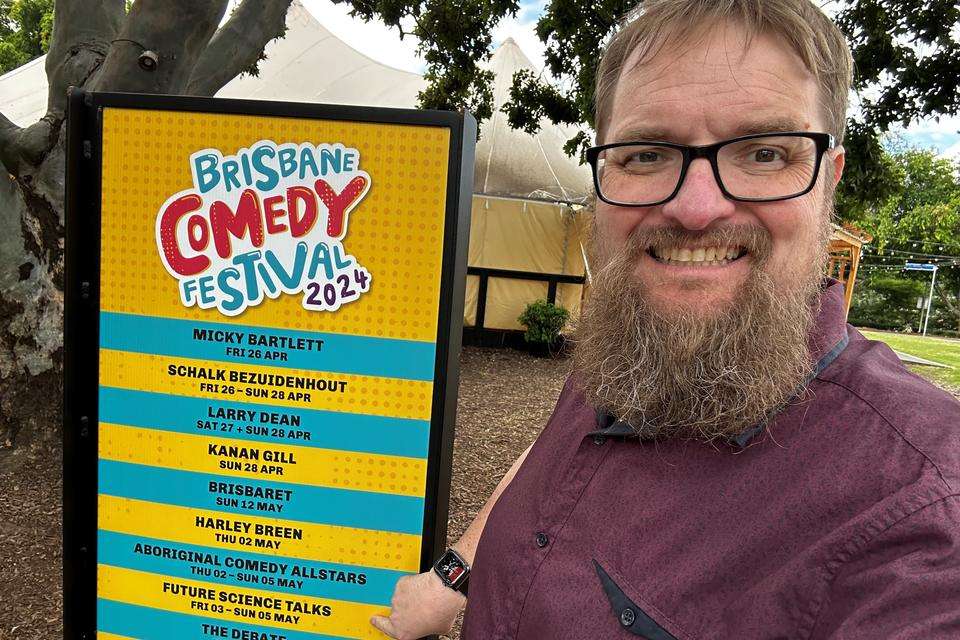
(947, 125)
(952, 152)
(942, 136)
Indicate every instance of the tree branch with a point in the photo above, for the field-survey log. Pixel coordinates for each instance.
(177, 31)
(22, 147)
(238, 44)
(82, 31)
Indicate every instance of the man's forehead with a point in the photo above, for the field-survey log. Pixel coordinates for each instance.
(713, 84)
(677, 132)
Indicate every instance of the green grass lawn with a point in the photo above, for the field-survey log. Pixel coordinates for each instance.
(942, 350)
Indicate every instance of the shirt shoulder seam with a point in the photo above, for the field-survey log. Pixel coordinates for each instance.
(855, 545)
(895, 428)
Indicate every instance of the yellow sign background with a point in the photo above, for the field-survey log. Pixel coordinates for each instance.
(397, 227)
(396, 232)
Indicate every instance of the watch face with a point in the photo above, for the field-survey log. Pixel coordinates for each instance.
(451, 567)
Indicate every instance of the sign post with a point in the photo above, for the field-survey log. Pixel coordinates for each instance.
(263, 315)
(916, 266)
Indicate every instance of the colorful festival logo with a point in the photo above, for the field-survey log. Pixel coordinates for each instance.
(267, 220)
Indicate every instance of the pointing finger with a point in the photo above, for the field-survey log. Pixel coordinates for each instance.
(383, 624)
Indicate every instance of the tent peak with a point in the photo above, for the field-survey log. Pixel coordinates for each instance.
(507, 59)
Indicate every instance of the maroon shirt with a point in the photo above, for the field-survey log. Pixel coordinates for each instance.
(840, 520)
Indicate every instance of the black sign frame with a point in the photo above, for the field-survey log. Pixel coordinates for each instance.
(82, 308)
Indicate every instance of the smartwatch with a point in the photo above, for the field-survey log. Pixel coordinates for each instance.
(453, 571)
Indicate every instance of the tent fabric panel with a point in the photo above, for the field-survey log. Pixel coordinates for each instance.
(23, 92)
(513, 163)
(470, 302)
(524, 235)
(310, 64)
(506, 300)
(521, 235)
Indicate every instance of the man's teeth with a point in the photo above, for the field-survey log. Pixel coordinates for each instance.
(698, 256)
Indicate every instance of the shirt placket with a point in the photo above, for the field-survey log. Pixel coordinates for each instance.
(560, 505)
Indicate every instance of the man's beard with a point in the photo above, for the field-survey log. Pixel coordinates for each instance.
(696, 373)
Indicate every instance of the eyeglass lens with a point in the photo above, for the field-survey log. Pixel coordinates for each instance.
(769, 167)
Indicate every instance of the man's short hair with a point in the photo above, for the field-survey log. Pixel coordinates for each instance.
(799, 23)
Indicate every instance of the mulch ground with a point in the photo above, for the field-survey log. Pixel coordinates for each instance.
(505, 399)
(30, 549)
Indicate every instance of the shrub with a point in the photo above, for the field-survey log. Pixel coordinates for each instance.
(887, 302)
(543, 321)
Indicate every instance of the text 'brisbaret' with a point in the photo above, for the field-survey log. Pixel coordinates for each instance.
(267, 220)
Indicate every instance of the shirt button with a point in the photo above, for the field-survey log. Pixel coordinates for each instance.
(542, 540)
(599, 439)
(627, 617)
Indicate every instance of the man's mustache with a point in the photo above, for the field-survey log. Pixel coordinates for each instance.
(752, 239)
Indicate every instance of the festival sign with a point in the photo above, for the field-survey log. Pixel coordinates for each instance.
(263, 325)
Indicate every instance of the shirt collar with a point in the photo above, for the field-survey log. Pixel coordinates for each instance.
(827, 340)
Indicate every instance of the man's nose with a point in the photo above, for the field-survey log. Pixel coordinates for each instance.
(699, 203)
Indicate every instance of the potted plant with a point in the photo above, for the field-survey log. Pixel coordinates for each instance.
(543, 321)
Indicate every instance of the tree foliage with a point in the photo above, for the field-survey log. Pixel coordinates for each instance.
(25, 29)
(453, 35)
(887, 302)
(924, 202)
(906, 51)
(573, 32)
(909, 50)
(918, 222)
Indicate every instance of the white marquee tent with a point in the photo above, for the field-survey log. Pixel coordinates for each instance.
(527, 191)
(527, 195)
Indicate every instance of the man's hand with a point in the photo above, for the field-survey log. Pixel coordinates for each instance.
(421, 605)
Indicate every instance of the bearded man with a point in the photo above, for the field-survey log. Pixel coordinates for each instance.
(729, 458)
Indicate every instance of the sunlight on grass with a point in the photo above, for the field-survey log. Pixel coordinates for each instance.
(943, 350)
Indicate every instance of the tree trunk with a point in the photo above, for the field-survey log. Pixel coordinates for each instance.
(31, 303)
(95, 44)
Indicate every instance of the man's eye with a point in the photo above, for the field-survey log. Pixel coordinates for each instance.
(644, 156)
(766, 155)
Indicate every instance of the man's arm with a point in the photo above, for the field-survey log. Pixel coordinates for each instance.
(422, 604)
(904, 584)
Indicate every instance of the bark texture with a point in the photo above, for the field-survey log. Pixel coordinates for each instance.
(95, 44)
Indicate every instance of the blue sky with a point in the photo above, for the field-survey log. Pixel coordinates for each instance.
(384, 45)
(941, 136)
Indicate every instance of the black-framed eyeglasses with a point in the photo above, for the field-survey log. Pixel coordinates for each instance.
(757, 168)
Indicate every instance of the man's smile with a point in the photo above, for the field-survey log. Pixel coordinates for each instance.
(697, 256)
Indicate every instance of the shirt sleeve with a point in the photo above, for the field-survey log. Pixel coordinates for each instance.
(904, 584)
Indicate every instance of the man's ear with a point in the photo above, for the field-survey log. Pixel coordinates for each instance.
(838, 156)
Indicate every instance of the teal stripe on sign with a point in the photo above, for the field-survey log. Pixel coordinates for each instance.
(318, 505)
(339, 353)
(301, 577)
(323, 429)
(145, 623)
